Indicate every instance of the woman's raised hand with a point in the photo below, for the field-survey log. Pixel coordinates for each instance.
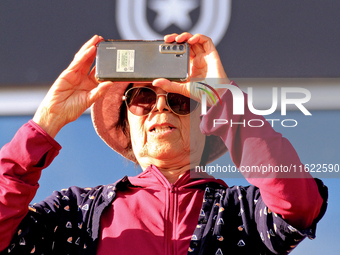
(75, 90)
(204, 63)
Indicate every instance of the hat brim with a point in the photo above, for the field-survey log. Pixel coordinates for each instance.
(105, 116)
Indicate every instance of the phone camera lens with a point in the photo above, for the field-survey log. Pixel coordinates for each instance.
(168, 47)
(164, 47)
(174, 47)
(181, 47)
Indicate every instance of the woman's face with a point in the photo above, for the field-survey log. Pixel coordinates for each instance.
(165, 139)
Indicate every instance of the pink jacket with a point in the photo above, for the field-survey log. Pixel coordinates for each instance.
(31, 150)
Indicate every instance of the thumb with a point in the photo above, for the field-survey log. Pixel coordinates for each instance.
(173, 87)
(166, 85)
(99, 91)
(189, 89)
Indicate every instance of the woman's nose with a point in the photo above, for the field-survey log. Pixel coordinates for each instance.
(161, 104)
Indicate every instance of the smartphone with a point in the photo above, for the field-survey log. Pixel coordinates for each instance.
(140, 61)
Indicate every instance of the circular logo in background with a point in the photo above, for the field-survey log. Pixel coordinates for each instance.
(132, 20)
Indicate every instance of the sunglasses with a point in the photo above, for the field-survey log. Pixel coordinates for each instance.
(142, 100)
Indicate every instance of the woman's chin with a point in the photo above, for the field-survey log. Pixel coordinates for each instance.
(167, 152)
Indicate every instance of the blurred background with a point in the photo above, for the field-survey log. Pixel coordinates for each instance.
(262, 44)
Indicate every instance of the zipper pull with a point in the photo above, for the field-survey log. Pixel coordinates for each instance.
(172, 188)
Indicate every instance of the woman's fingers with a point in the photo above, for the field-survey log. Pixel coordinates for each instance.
(82, 58)
(170, 38)
(183, 37)
(191, 39)
(201, 44)
(178, 38)
(93, 41)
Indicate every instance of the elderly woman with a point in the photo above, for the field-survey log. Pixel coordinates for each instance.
(162, 210)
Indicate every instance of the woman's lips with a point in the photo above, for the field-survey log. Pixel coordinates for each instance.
(162, 128)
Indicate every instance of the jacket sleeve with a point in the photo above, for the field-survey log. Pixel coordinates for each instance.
(279, 236)
(21, 163)
(262, 146)
(60, 224)
(236, 220)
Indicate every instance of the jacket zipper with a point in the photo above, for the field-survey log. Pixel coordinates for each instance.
(170, 224)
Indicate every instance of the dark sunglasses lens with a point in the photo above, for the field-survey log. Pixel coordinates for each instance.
(180, 104)
(141, 100)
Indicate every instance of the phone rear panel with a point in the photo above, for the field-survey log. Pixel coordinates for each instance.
(141, 60)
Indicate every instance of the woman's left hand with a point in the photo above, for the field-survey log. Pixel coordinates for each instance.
(204, 62)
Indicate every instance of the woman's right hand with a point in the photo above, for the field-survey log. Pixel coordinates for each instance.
(75, 90)
(205, 63)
